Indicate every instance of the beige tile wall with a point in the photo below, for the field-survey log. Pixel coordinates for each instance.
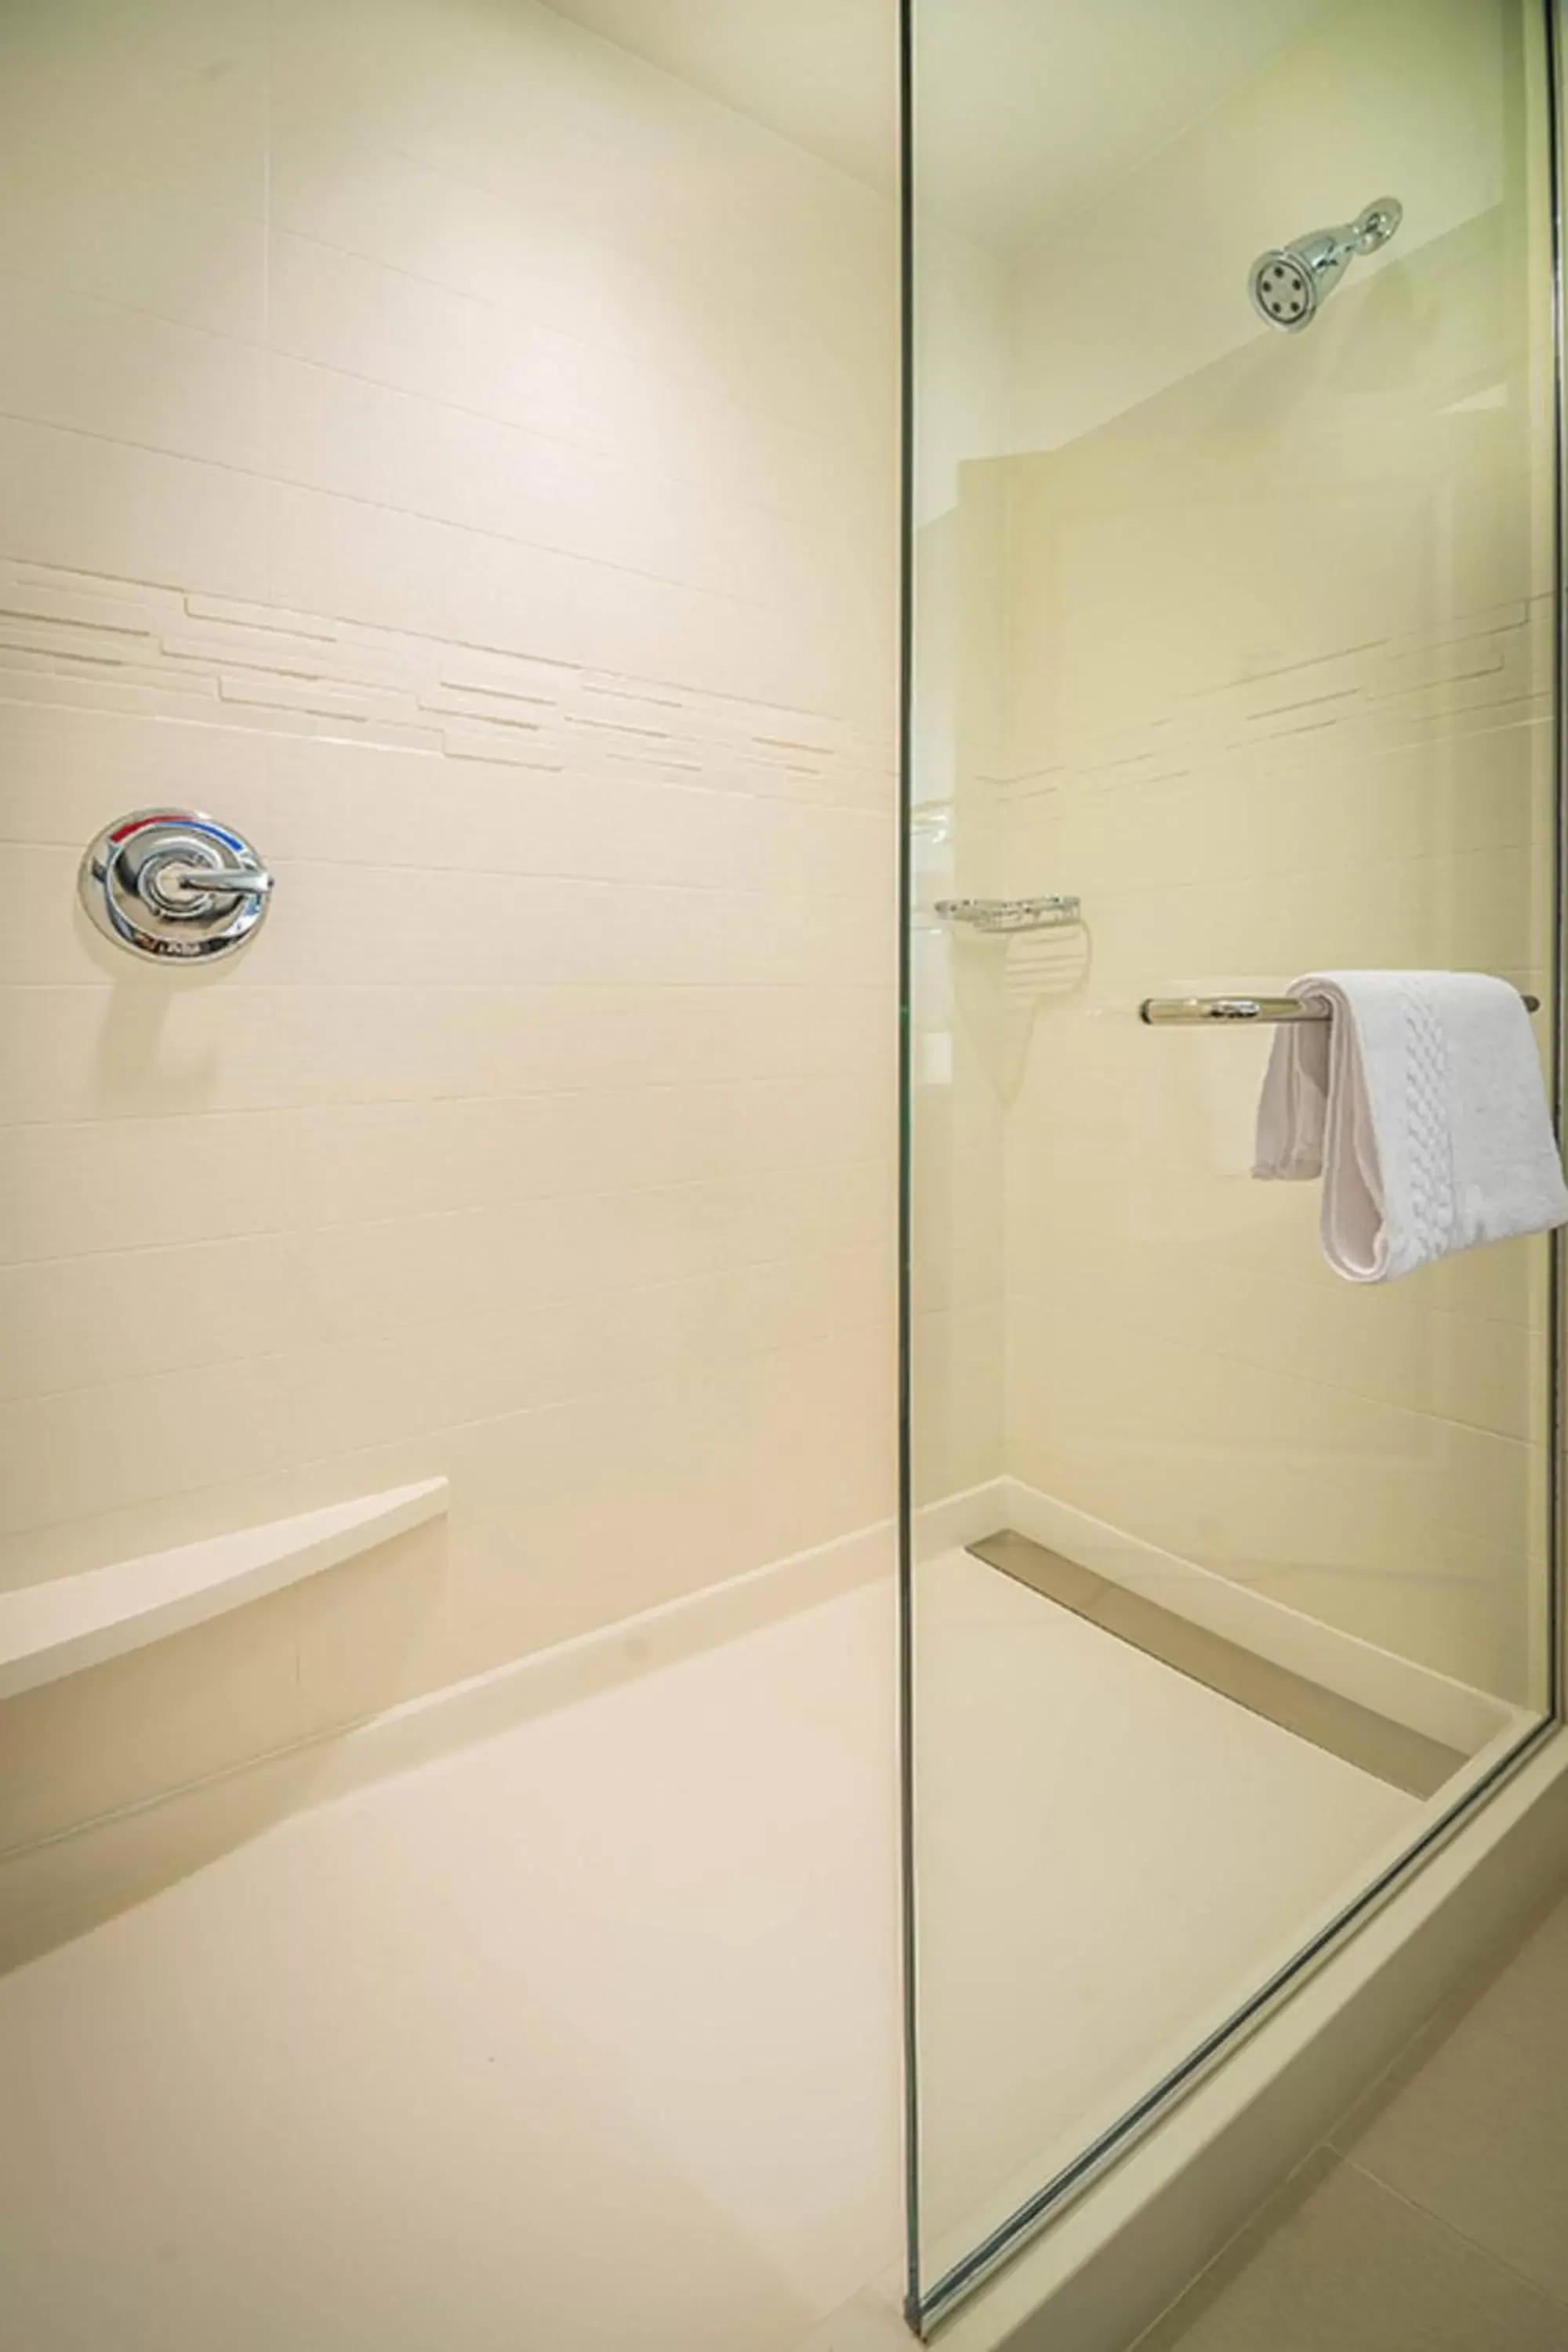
(1279, 696)
(465, 459)
(1138, 289)
(958, 849)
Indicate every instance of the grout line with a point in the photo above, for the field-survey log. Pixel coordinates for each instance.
(1449, 2228)
(688, 274)
(865, 448)
(722, 598)
(420, 1441)
(714, 1347)
(1259, 1362)
(1278, 2196)
(1332, 2146)
(1423, 1414)
(1303, 1287)
(1454, 2010)
(793, 898)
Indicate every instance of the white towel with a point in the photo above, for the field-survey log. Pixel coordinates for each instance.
(1419, 1102)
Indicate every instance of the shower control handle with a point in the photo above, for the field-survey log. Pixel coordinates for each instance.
(188, 881)
(174, 884)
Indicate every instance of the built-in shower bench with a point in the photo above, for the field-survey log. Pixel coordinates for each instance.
(72, 1622)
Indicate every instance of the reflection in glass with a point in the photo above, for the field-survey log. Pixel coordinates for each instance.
(1243, 639)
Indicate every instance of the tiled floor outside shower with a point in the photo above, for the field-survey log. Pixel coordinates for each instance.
(1436, 2217)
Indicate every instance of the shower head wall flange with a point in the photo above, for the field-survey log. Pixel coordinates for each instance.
(1288, 283)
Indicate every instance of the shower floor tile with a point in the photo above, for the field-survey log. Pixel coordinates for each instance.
(585, 2037)
(581, 2038)
(1112, 1857)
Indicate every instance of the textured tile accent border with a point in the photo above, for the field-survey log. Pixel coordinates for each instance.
(93, 642)
(1476, 666)
(1389, 1751)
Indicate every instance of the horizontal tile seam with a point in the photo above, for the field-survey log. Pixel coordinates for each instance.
(686, 282)
(1228, 883)
(1403, 1312)
(622, 353)
(266, 478)
(634, 1087)
(512, 1205)
(384, 1339)
(661, 470)
(248, 991)
(787, 887)
(411, 1443)
(868, 456)
(796, 894)
(1415, 1413)
(1038, 1294)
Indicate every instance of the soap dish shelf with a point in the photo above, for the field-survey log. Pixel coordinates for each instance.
(1053, 912)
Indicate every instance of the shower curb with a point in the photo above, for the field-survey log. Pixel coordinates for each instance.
(1134, 2238)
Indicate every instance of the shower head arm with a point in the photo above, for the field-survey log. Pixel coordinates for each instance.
(1375, 224)
(1330, 248)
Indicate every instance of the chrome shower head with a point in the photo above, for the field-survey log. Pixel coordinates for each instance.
(1287, 284)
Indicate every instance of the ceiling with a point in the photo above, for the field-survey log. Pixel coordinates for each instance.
(1024, 108)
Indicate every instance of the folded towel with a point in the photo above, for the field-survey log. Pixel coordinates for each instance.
(1419, 1102)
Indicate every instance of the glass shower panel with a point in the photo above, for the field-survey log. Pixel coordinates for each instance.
(1234, 566)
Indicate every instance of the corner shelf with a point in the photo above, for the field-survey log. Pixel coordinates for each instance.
(50, 1630)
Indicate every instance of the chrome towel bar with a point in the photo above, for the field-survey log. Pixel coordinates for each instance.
(1193, 1012)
